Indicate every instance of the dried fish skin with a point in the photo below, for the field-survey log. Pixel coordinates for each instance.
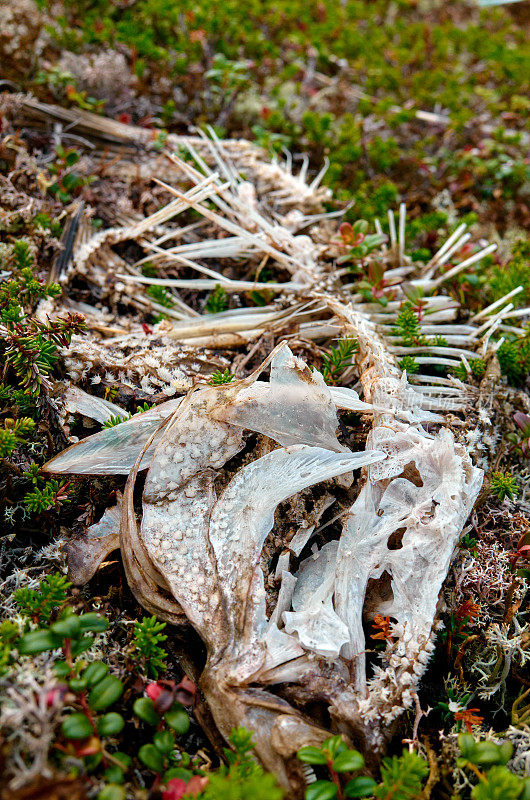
(178, 499)
(77, 401)
(175, 536)
(184, 526)
(295, 407)
(85, 553)
(114, 450)
(278, 731)
(240, 521)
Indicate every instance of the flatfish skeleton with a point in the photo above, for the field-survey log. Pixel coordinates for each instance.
(209, 505)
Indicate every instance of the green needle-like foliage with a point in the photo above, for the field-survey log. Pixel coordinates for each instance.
(407, 327)
(504, 484)
(408, 364)
(161, 296)
(148, 637)
(402, 777)
(217, 301)
(338, 359)
(217, 378)
(40, 603)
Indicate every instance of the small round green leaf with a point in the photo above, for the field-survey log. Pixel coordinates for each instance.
(92, 762)
(95, 672)
(505, 752)
(112, 792)
(105, 693)
(321, 790)
(178, 772)
(151, 757)
(61, 669)
(77, 684)
(164, 741)
(360, 787)
(113, 774)
(334, 745)
(80, 645)
(68, 627)
(466, 743)
(311, 755)
(93, 622)
(177, 719)
(124, 758)
(526, 790)
(110, 724)
(486, 753)
(144, 708)
(348, 761)
(76, 726)
(37, 642)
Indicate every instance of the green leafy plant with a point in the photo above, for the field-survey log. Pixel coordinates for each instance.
(89, 688)
(514, 358)
(160, 710)
(487, 761)
(67, 182)
(23, 288)
(402, 777)
(515, 273)
(31, 348)
(227, 78)
(409, 364)
(114, 419)
(339, 759)
(13, 432)
(358, 242)
(46, 494)
(83, 100)
(146, 642)
(477, 368)
(161, 296)
(521, 442)
(468, 542)
(39, 604)
(504, 484)
(407, 327)
(243, 777)
(456, 629)
(18, 400)
(52, 495)
(338, 359)
(375, 286)
(217, 301)
(8, 633)
(217, 378)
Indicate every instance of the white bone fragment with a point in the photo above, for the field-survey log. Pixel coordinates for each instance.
(313, 618)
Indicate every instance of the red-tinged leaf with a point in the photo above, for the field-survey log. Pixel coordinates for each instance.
(174, 790)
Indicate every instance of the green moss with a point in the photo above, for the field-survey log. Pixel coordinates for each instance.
(506, 277)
